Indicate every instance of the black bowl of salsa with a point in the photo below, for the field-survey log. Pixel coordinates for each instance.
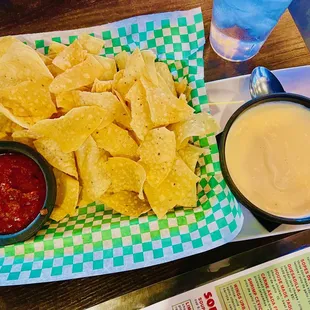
(27, 192)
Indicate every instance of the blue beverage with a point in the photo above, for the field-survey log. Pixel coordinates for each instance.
(239, 28)
(300, 11)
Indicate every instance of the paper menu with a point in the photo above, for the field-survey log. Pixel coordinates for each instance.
(282, 283)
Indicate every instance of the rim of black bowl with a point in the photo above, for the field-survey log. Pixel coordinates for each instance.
(50, 198)
(294, 98)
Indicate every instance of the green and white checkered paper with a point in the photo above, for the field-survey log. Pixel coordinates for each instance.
(99, 241)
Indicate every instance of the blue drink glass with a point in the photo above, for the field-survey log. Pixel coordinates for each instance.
(239, 28)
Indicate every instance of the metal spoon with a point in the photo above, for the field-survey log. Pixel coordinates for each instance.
(263, 82)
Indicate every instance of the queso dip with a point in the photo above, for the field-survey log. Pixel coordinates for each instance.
(268, 157)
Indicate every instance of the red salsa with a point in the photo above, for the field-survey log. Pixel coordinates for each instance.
(22, 192)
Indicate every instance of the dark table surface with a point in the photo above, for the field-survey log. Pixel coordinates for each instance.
(284, 48)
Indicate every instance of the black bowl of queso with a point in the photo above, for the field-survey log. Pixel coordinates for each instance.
(27, 192)
(265, 157)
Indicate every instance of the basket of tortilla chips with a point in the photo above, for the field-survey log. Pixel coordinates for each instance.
(120, 112)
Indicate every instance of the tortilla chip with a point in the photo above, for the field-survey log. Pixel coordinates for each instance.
(71, 130)
(117, 77)
(190, 199)
(54, 70)
(91, 166)
(109, 68)
(134, 136)
(190, 154)
(165, 108)
(5, 43)
(135, 66)
(7, 126)
(106, 100)
(199, 124)
(55, 48)
(176, 189)
(58, 214)
(67, 196)
(163, 70)
(125, 175)
(150, 69)
(159, 200)
(4, 136)
(28, 99)
(127, 203)
(141, 121)
(80, 75)
(123, 85)
(67, 100)
(157, 153)
(188, 93)
(181, 86)
(116, 141)
(25, 136)
(4, 123)
(47, 60)
(50, 150)
(24, 123)
(91, 44)
(101, 86)
(25, 133)
(121, 60)
(71, 56)
(21, 63)
(123, 118)
(67, 192)
(26, 103)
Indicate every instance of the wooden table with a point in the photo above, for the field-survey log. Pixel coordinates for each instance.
(284, 48)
